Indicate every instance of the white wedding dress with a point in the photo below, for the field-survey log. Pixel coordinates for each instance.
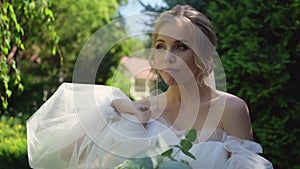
(77, 128)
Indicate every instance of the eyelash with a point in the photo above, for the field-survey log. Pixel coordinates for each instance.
(160, 47)
(180, 47)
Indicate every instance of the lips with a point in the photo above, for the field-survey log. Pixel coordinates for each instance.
(170, 70)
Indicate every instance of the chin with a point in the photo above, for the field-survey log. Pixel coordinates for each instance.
(170, 81)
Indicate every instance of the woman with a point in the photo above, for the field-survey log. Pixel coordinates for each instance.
(184, 55)
(183, 47)
(179, 62)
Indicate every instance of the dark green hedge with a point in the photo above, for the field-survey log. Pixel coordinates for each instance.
(259, 47)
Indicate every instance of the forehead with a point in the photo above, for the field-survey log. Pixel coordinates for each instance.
(174, 30)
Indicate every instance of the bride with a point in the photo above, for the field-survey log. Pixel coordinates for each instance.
(94, 126)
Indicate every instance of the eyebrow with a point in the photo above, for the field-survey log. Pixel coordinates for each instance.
(177, 41)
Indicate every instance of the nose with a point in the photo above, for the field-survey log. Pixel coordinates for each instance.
(170, 57)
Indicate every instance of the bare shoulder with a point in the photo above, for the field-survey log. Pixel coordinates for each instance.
(236, 117)
(234, 104)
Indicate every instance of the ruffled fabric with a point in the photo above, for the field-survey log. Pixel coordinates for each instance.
(228, 153)
(77, 128)
(244, 154)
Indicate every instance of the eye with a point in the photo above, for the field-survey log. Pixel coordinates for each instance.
(160, 47)
(181, 47)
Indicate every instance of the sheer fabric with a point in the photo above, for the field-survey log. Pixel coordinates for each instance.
(77, 128)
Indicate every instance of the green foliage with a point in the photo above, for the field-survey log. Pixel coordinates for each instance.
(17, 20)
(120, 80)
(258, 45)
(76, 21)
(13, 146)
(185, 145)
(200, 5)
(74, 24)
(165, 160)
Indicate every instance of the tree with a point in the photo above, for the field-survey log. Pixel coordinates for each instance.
(200, 5)
(20, 20)
(75, 22)
(258, 43)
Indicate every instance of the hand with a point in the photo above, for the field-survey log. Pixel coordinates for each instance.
(140, 110)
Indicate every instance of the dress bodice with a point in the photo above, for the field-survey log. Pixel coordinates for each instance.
(215, 148)
(214, 134)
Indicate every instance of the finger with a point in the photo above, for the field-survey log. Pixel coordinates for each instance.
(143, 120)
(113, 105)
(143, 108)
(144, 116)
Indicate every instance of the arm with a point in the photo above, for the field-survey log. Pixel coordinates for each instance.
(236, 118)
(125, 105)
(66, 153)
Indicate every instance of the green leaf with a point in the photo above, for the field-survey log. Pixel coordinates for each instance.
(4, 18)
(22, 46)
(21, 87)
(191, 135)
(5, 81)
(5, 50)
(178, 147)
(173, 165)
(167, 153)
(22, 31)
(145, 162)
(7, 42)
(13, 64)
(4, 102)
(18, 27)
(49, 13)
(189, 154)
(11, 9)
(53, 50)
(186, 144)
(5, 6)
(8, 93)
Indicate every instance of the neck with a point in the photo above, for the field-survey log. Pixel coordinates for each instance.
(177, 93)
(183, 104)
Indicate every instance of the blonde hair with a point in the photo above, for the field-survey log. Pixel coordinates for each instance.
(205, 37)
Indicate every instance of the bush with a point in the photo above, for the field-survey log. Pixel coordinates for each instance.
(13, 145)
(259, 48)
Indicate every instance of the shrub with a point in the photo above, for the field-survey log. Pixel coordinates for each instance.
(13, 145)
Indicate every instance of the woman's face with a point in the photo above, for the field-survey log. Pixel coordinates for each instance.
(173, 57)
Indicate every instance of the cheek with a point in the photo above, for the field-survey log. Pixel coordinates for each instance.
(193, 66)
(189, 62)
(157, 59)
